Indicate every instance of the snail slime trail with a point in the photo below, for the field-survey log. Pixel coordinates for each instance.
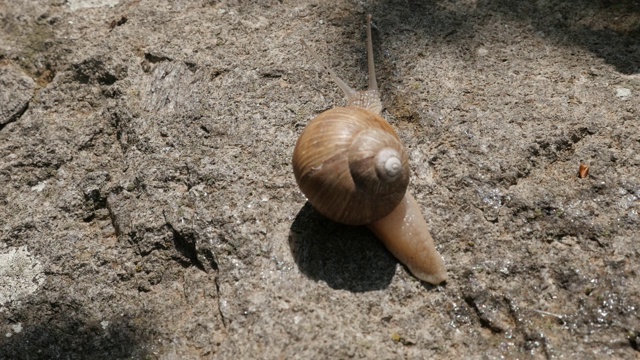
(353, 169)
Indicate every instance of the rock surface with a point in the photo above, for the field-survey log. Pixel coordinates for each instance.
(16, 90)
(146, 183)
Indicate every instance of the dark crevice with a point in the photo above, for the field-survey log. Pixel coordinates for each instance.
(96, 70)
(94, 201)
(95, 197)
(106, 79)
(484, 321)
(217, 72)
(16, 116)
(114, 23)
(634, 341)
(272, 74)
(117, 222)
(224, 319)
(185, 244)
(210, 256)
(155, 58)
(191, 66)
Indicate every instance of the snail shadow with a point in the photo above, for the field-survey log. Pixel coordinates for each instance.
(345, 257)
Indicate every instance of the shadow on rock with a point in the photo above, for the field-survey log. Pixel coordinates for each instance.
(607, 28)
(72, 338)
(345, 257)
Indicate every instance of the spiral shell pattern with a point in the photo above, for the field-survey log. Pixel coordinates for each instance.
(351, 165)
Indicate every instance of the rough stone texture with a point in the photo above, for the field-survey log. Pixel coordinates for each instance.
(20, 276)
(16, 90)
(149, 177)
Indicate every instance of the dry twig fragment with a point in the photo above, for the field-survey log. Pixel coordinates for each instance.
(583, 171)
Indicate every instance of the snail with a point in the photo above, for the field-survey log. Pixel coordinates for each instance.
(353, 169)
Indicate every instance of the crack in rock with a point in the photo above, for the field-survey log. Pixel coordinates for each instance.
(16, 91)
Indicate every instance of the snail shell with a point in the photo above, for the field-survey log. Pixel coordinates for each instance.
(350, 164)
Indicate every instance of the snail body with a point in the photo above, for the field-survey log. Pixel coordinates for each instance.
(353, 169)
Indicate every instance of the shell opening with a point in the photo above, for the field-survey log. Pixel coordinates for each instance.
(388, 164)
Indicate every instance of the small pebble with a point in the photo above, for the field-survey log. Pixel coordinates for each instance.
(623, 93)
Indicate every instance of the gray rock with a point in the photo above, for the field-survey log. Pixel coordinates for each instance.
(16, 90)
(150, 178)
